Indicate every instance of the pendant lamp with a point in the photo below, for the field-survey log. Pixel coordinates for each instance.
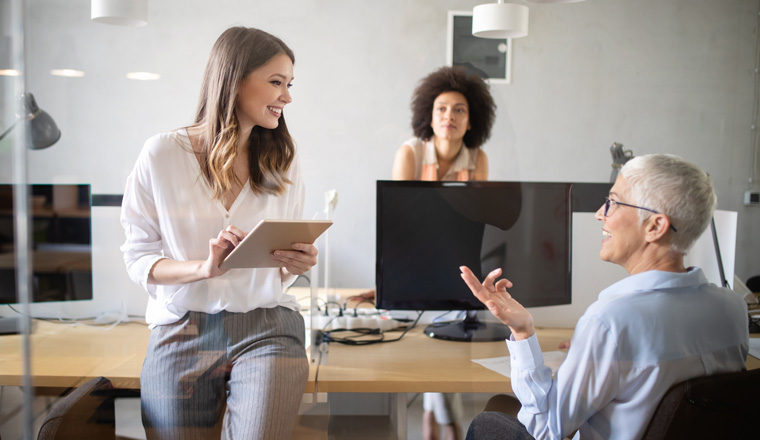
(120, 12)
(554, 1)
(500, 20)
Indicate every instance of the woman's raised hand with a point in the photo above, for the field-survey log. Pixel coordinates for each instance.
(493, 294)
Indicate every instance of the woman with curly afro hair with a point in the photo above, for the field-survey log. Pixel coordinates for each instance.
(452, 115)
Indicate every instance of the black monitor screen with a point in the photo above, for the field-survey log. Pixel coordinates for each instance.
(426, 230)
(60, 243)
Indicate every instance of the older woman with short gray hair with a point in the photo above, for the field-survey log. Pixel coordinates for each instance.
(661, 325)
(677, 188)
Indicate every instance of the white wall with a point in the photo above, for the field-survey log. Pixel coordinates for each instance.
(657, 75)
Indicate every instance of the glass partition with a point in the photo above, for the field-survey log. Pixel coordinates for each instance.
(16, 128)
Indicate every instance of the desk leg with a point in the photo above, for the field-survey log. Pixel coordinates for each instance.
(398, 414)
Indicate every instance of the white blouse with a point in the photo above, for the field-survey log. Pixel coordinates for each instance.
(168, 212)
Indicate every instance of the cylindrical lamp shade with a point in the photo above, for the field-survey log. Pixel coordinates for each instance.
(120, 12)
(500, 20)
(554, 1)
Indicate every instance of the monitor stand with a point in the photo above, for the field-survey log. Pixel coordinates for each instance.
(469, 329)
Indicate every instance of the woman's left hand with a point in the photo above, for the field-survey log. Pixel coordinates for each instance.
(298, 260)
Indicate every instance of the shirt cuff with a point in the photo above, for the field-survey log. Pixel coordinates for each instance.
(146, 265)
(525, 354)
(287, 278)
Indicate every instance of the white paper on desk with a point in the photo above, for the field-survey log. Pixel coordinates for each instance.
(501, 365)
(754, 347)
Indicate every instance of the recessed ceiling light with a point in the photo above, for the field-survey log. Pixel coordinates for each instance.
(143, 76)
(9, 72)
(71, 73)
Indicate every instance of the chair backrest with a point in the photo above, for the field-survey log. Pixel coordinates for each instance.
(753, 283)
(721, 406)
(85, 413)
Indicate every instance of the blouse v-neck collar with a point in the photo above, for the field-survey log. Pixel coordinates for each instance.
(206, 187)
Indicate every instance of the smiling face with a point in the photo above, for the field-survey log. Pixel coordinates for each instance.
(451, 116)
(264, 93)
(624, 238)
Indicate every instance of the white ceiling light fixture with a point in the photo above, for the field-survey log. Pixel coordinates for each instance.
(120, 12)
(500, 20)
(554, 1)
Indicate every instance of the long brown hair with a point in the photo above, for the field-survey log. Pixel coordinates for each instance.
(236, 53)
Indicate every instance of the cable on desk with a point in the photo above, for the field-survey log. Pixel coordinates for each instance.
(328, 336)
(83, 320)
(298, 300)
(356, 306)
(324, 327)
(360, 332)
(345, 302)
(459, 312)
(53, 319)
(414, 324)
(340, 308)
(296, 280)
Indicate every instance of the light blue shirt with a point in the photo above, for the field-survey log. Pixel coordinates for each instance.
(644, 334)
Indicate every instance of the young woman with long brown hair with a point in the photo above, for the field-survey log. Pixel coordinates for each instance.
(226, 350)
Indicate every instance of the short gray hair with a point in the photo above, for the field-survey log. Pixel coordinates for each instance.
(676, 188)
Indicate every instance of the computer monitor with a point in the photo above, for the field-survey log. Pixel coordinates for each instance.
(426, 230)
(61, 243)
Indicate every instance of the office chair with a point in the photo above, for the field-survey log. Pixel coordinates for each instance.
(720, 406)
(85, 413)
(753, 283)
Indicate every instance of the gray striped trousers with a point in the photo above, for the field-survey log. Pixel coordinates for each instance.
(241, 373)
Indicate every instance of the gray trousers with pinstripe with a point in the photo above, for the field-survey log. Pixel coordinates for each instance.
(241, 373)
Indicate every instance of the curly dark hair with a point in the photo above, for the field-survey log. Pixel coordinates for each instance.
(454, 79)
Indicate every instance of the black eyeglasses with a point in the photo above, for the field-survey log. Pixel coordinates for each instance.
(608, 202)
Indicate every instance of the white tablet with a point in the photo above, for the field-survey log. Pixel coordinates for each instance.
(269, 235)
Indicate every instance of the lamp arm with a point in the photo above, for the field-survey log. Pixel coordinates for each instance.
(5, 133)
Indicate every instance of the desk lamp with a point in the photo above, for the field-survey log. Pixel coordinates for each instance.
(43, 132)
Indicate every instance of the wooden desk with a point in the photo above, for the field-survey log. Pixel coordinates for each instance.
(64, 355)
(418, 363)
(67, 356)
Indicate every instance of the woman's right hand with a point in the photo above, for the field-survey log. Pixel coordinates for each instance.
(171, 272)
(493, 294)
(219, 248)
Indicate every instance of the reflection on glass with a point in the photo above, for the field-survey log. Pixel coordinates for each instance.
(61, 246)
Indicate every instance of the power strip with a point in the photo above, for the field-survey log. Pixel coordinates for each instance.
(348, 321)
